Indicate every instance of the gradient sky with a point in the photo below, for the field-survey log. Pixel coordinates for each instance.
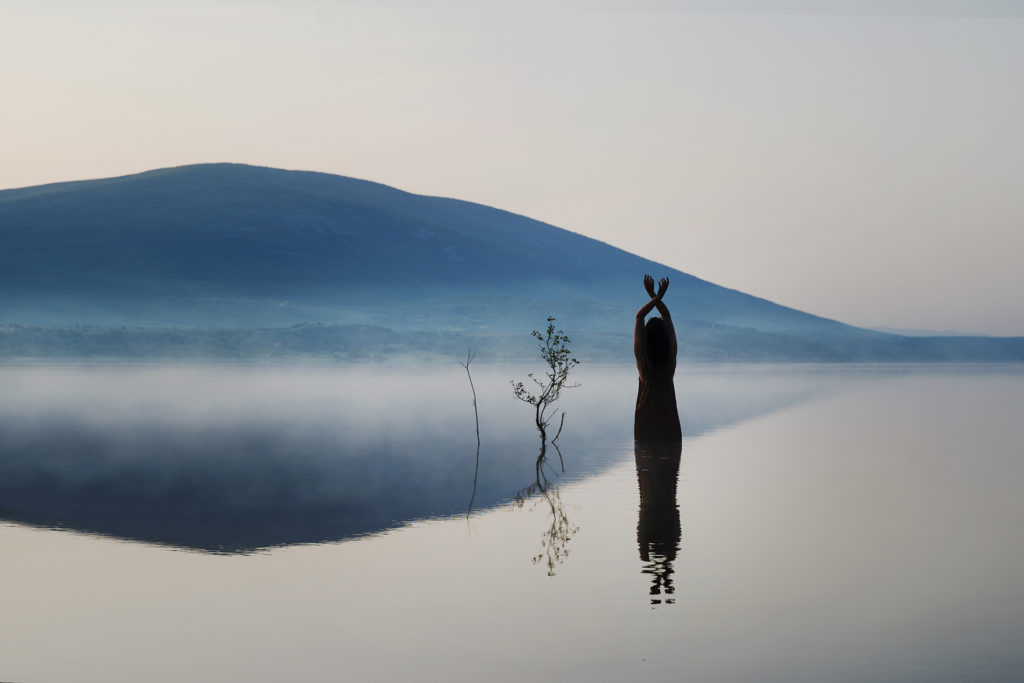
(864, 162)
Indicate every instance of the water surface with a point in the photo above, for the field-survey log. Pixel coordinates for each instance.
(823, 523)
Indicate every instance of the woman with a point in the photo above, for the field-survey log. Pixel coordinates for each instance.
(654, 344)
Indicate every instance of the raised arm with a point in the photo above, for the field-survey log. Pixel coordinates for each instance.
(639, 331)
(665, 315)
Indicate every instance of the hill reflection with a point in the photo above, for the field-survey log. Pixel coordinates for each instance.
(234, 460)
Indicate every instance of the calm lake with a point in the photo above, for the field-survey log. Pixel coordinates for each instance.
(309, 523)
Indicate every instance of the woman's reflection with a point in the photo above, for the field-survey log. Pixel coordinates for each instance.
(658, 531)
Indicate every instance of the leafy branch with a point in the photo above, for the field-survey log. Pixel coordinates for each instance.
(555, 351)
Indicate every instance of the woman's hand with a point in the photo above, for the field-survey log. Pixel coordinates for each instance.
(649, 285)
(662, 286)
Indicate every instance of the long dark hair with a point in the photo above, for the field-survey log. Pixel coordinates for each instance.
(658, 346)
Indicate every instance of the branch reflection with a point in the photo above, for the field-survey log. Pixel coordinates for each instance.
(555, 539)
(658, 531)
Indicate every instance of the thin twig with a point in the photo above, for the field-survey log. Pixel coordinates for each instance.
(470, 355)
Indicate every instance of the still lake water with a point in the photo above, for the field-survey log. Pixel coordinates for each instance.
(823, 523)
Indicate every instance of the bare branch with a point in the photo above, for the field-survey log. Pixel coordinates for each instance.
(470, 355)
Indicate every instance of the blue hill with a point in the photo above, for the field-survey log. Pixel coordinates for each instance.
(228, 246)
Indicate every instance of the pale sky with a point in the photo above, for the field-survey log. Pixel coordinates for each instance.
(865, 163)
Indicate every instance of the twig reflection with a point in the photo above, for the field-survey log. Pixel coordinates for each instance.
(555, 539)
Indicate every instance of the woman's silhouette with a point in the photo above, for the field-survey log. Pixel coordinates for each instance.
(654, 345)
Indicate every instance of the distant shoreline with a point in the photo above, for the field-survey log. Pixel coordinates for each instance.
(371, 344)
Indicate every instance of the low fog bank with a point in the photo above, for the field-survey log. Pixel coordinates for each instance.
(233, 459)
(699, 341)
